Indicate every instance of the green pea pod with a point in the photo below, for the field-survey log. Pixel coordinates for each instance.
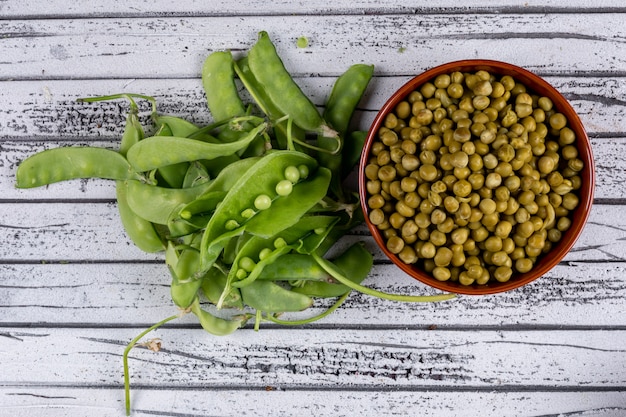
(184, 293)
(355, 263)
(216, 325)
(196, 174)
(177, 126)
(294, 267)
(213, 285)
(272, 298)
(284, 135)
(174, 174)
(282, 90)
(188, 218)
(260, 179)
(140, 231)
(156, 204)
(68, 163)
(351, 153)
(218, 80)
(344, 97)
(159, 151)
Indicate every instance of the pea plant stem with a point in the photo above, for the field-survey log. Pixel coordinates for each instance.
(127, 351)
(328, 267)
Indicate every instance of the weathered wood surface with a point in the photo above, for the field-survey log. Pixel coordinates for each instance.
(74, 291)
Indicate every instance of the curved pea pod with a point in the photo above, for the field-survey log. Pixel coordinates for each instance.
(260, 179)
(344, 97)
(177, 126)
(285, 212)
(62, 164)
(218, 81)
(184, 293)
(272, 298)
(159, 151)
(213, 285)
(282, 90)
(284, 135)
(216, 325)
(140, 231)
(352, 149)
(294, 267)
(355, 263)
(155, 204)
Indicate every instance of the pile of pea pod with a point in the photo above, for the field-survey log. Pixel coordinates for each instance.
(247, 208)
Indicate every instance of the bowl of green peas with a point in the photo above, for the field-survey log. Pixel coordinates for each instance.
(476, 177)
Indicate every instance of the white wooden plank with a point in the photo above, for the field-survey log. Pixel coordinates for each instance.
(572, 295)
(397, 44)
(319, 358)
(57, 402)
(22, 9)
(93, 231)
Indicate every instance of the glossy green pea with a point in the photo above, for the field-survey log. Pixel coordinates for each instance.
(218, 80)
(281, 89)
(156, 204)
(216, 325)
(62, 164)
(355, 263)
(272, 298)
(159, 151)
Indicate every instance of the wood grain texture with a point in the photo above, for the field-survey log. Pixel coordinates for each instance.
(317, 358)
(284, 402)
(74, 290)
(574, 294)
(551, 44)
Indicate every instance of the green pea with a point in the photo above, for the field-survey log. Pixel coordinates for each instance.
(292, 174)
(284, 187)
(262, 202)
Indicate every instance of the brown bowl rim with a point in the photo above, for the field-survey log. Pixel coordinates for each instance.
(581, 213)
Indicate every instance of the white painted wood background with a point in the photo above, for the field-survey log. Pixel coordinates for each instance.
(73, 290)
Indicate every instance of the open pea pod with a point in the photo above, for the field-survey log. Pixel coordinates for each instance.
(303, 237)
(261, 180)
(159, 151)
(194, 216)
